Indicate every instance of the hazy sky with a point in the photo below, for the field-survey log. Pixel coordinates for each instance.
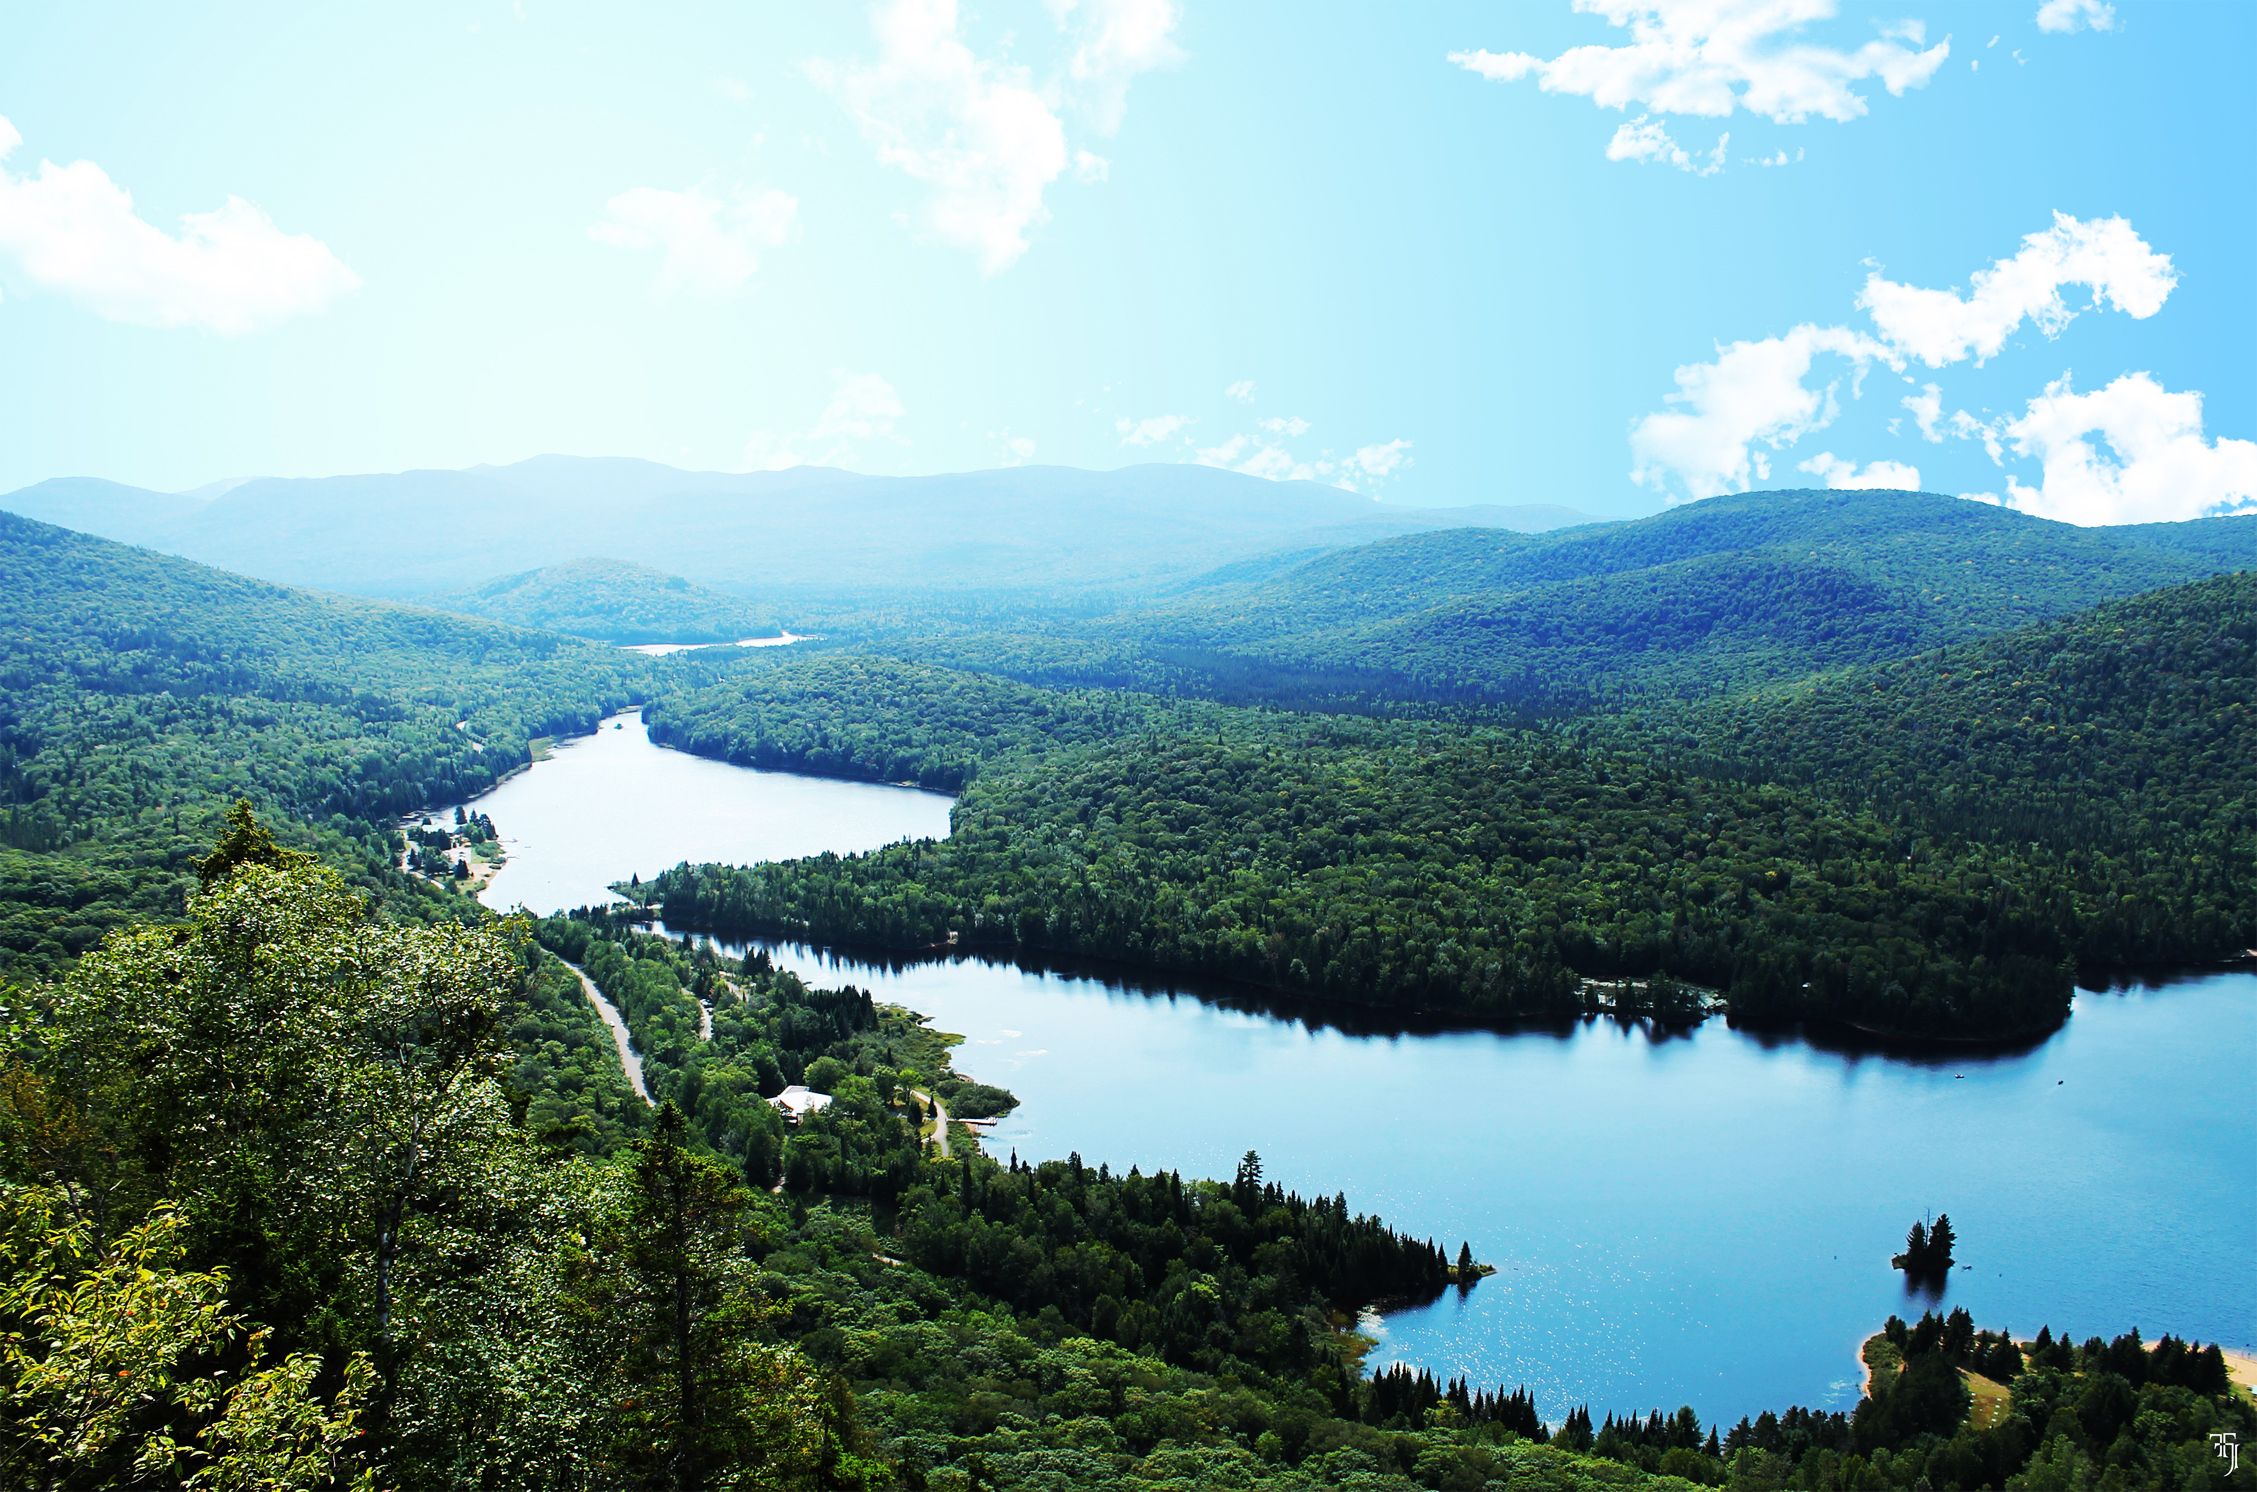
(1607, 254)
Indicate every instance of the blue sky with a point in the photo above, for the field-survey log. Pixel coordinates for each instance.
(1439, 254)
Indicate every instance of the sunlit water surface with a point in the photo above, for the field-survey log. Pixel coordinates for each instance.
(611, 806)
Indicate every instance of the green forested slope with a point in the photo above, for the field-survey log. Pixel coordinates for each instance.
(2118, 747)
(376, 1194)
(1715, 595)
(140, 694)
(612, 600)
(1928, 846)
(1414, 867)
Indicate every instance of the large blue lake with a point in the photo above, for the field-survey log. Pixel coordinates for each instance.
(1703, 1218)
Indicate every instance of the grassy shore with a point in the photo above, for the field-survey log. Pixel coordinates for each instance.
(1988, 1399)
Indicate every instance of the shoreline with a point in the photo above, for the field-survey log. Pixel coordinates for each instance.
(1368, 1018)
(2241, 1362)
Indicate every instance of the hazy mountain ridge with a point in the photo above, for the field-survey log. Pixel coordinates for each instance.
(808, 531)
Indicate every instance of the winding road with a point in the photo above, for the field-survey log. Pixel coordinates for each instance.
(629, 1061)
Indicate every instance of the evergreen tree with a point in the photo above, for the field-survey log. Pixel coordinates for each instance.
(1246, 1190)
(246, 842)
(701, 1402)
(1940, 1240)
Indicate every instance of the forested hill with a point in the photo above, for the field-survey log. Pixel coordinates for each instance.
(615, 601)
(1415, 868)
(1928, 846)
(2121, 741)
(139, 694)
(1708, 597)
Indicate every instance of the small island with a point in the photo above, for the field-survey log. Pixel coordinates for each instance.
(1927, 1250)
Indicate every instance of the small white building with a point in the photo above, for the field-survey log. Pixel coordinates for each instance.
(799, 1100)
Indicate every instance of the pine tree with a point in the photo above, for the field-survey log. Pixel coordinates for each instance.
(246, 842)
(697, 1394)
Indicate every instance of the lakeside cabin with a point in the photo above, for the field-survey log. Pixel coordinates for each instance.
(799, 1100)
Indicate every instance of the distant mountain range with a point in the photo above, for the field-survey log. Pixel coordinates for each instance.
(808, 533)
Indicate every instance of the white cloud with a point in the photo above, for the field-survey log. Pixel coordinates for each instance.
(1753, 395)
(1227, 453)
(73, 230)
(864, 409)
(1382, 460)
(1271, 457)
(1091, 168)
(2061, 16)
(708, 244)
(1242, 391)
(1018, 450)
(1927, 408)
(1267, 459)
(1276, 464)
(1118, 39)
(984, 136)
(1965, 426)
(1646, 139)
(2103, 255)
(1151, 430)
(978, 133)
(2149, 464)
(1835, 472)
(863, 406)
(1713, 57)
(1756, 396)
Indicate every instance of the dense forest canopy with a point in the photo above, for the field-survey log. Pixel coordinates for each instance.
(1491, 871)
(2112, 747)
